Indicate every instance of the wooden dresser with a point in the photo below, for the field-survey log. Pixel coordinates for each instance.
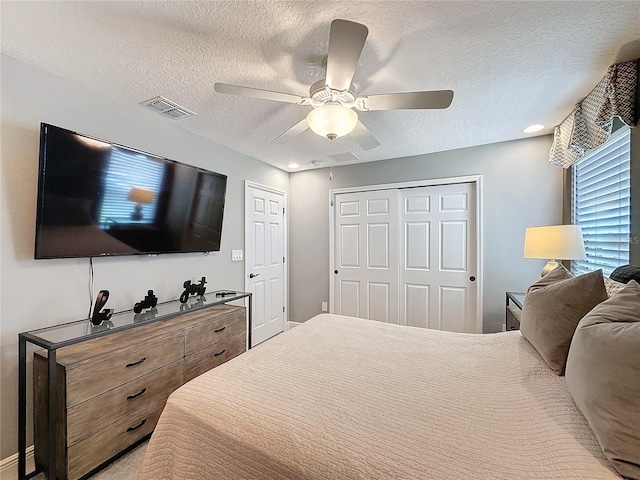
(111, 390)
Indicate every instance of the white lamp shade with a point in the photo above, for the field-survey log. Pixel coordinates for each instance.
(558, 242)
(140, 195)
(332, 120)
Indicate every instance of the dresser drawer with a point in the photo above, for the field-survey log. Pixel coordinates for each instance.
(214, 331)
(96, 449)
(92, 415)
(106, 373)
(208, 358)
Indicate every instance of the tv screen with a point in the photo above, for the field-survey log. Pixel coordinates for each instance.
(98, 198)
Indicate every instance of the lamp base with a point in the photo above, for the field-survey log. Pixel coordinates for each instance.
(137, 213)
(551, 265)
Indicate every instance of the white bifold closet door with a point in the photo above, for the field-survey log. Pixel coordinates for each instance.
(408, 256)
(366, 251)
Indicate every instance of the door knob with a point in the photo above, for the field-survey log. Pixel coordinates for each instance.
(251, 275)
(335, 271)
(472, 278)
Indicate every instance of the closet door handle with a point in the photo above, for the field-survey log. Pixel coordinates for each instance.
(136, 363)
(220, 353)
(131, 397)
(218, 330)
(135, 427)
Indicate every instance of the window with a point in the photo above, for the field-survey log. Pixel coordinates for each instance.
(601, 204)
(127, 170)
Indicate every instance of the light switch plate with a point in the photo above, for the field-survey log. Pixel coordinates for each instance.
(236, 255)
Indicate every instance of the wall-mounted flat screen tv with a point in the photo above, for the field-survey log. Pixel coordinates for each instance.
(98, 198)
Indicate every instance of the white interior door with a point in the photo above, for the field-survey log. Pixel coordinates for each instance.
(438, 287)
(264, 260)
(366, 258)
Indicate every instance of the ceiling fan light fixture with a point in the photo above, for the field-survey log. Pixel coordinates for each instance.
(332, 120)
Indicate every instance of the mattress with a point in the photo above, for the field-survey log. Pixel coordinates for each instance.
(346, 398)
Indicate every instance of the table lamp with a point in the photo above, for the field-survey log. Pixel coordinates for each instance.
(140, 196)
(557, 242)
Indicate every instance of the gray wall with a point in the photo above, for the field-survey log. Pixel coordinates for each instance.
(46, 292)
(520, 189)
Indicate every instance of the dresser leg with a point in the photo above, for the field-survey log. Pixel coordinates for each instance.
(22, 408)
(52, 473)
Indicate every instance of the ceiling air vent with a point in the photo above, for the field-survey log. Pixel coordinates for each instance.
(344, 157)
(167, 108)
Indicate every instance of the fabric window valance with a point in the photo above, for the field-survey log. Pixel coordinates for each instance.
(589, 124)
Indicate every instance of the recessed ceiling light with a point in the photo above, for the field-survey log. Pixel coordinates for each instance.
(533, 128)
(294, 165)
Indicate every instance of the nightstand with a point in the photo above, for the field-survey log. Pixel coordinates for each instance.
(514, 304)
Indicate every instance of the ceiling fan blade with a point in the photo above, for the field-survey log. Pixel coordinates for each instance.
(293, 132)
(363, 137)
(346, 41)
(256, 93)
(436, 99)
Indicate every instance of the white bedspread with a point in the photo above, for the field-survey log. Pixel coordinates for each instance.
(344, 398)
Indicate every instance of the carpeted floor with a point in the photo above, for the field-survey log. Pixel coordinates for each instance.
(125, 468)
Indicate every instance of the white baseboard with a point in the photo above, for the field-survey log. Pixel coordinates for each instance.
(9, 465)
(290, 325)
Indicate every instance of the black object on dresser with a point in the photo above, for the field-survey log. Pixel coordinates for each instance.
(149, 301)
(100, 316)
(514, 304)
(142, 360)
(193, 289)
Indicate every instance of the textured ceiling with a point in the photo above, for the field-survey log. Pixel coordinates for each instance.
(510, 64)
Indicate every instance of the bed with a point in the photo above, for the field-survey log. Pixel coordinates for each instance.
(346, 398)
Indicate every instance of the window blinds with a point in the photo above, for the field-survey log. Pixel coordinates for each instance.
(127, 170)
(601, 205)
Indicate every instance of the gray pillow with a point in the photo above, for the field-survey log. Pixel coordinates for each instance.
(603, 376)
(625, 273)
(552, 309)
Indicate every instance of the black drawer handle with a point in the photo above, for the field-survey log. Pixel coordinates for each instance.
(220, 329)
(131, 397)
(220, 353)
(135, 427)
(136, 363)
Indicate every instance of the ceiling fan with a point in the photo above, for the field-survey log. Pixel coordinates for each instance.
(333, 99)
